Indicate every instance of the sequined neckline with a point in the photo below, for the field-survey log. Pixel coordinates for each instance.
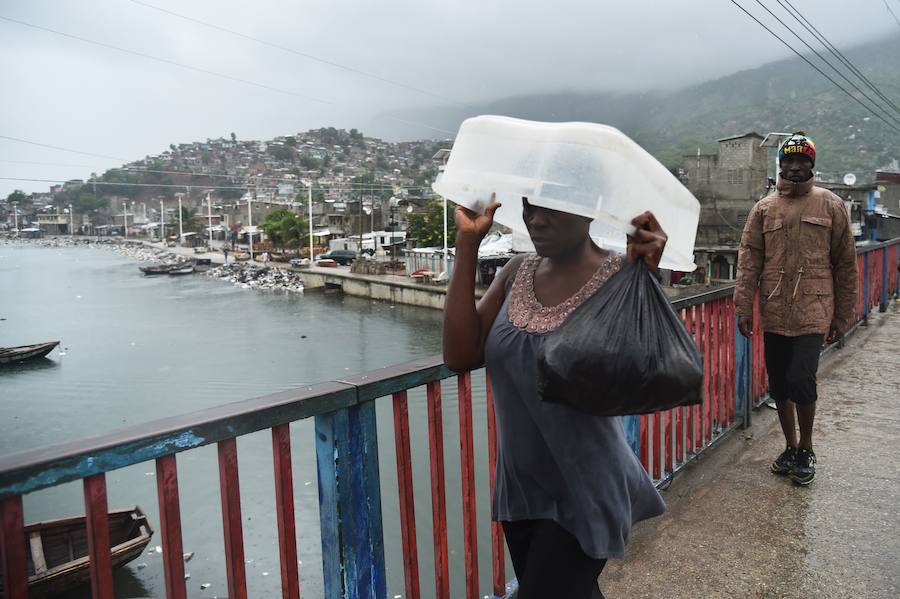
(528, 314)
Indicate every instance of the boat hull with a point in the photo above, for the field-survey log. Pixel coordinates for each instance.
(14, 355)
(57, 550)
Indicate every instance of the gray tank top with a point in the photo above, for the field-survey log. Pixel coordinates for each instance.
(555, 462)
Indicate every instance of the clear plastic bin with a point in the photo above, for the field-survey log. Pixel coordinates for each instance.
(581, 168)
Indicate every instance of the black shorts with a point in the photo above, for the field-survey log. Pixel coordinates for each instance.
(792, 363)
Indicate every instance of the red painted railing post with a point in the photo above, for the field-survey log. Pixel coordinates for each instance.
(498, 560)
(708, 348)
(467, 470)
(407, 497)
(170, 526)
(100, 559)
(284, 508)
(229, 488)
(438, 499)
(13, 557)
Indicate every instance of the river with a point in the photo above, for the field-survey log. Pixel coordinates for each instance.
(135, 348)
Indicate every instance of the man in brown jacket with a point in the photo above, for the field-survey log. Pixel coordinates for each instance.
(797, 249)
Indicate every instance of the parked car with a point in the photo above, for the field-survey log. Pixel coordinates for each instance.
(299, 261)
(342, 257)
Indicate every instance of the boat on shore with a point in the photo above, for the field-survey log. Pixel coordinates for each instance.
(182, 270)
(21, 353)
(167, 268)
(57, 554)
(157, 269)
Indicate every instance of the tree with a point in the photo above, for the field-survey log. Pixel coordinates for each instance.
(190, 223)
(16, 196)
(428, 227)
(283, 153)
(308, 162)
(233, 137)
(285, 229)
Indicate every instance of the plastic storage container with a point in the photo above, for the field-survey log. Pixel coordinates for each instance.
(581, 168)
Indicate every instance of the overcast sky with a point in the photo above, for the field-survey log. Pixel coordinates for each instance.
(65, 92)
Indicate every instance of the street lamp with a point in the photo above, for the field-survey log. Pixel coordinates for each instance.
(71, 221)
(125, 218)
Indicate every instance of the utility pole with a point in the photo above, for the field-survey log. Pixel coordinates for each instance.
(250, 223)
(309, 204)
(209, 212)
(361, 192)
(71, 221)
(180, 222)
(16, 218)
(445, 233)
(162, 222)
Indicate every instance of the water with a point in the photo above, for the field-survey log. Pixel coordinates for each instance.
(138, 348)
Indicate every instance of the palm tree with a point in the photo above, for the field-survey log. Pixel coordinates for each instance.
(284, 228)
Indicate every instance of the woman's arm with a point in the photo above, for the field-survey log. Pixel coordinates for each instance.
(466, 325)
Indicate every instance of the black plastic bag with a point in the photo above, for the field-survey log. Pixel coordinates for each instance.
(623, 351)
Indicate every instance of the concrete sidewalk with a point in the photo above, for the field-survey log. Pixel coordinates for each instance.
(735, 530)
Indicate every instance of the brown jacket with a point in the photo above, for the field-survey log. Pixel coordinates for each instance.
(798, 250)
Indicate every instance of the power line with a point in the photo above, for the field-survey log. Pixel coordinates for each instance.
(213, 73)
(47, 163)
(35, 143)
(795, 12)
(826, 61)
(167, 61)
(158, 171)
(890, 10)
(297, 52)
(227, 176)
(807, 61)
(208, 187)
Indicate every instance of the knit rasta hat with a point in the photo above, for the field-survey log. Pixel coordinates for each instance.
(798, 143)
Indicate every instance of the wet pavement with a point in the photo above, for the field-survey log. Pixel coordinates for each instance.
(735, 530)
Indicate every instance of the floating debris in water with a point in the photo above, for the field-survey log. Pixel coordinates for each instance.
(188, 556)
(187, 576)
(205, 586)
(265, 573)
(158, 549)
(141, 566)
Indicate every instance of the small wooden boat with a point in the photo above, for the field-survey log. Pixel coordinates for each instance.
(58, 551)
(11, 355)
(182, 270)
(157, 269)
(241, 256)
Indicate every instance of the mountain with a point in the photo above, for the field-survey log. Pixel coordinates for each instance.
(782, 96)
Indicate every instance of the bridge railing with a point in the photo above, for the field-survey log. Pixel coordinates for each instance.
(347, 452)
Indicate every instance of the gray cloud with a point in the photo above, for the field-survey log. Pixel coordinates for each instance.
(64, 92)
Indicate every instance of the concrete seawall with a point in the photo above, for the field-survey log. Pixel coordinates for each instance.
(394, 289)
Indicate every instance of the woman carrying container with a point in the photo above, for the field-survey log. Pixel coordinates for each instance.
(568, 487)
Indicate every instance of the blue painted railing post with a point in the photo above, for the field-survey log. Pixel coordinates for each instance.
(882, 305)
(743, 361)
(350, 503)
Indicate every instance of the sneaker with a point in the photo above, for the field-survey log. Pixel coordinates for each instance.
(784, 463)
(804, 467)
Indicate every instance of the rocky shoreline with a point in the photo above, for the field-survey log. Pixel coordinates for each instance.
(245, 276)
